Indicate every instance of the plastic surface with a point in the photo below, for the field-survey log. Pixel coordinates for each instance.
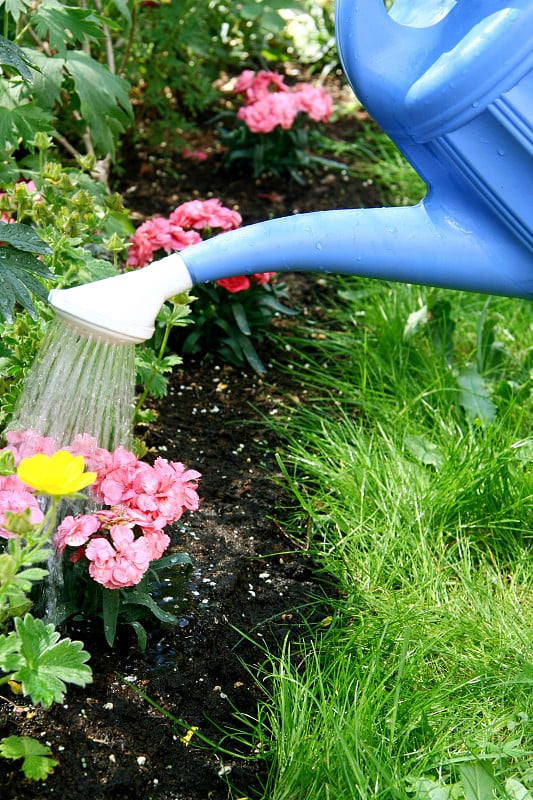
(122, 309)
(452, 85)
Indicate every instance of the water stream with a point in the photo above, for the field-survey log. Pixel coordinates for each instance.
(78, 385)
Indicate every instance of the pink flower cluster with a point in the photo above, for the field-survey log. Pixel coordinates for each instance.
(183, 228)
(268, 101)
(180, 229)
(121, 540)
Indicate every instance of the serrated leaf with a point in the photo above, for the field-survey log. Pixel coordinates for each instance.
(65, 25)
(474, 396)
(49, 663)
(37, 758)
(13, 56)
(169, 361)
(104, 100)
(22, 121)
(10, 658)
(24, 238)
(48, 79)
(28, 576)
(17, 7)
(424, 451)
(19, 273)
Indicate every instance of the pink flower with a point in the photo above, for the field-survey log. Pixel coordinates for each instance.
(121, 562)
(163, 492)
(152, 235)
(255, 86)
(114, 486)
(180, 239)
(268, 101)
(157, 542)
(175, 232)
(314, 101)
(75, 531)
(16, 502)
(199, 214)
(12, 483)
(24, 444)
(271, 110)
(96, 458)
(141, 499)
(194, 155)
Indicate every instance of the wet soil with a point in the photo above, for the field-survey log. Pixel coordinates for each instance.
(250, 586)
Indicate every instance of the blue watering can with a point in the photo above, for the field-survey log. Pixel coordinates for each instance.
(451, 82)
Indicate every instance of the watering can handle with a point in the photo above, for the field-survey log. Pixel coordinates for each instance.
(382, 57)
(420, 68)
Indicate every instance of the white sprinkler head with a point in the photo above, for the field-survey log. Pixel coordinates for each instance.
(122, 309)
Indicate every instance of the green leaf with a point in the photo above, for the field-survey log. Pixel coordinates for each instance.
(250, 355)
(24, 238)
(18, 275)
(22, 121)
(424, 451)
(415, 321)
(239, 315)
(48, 661)
(104, 100)
(15, 57)
(27, 577)
(16, 7)
(10, 659)
(140, 632)
(37, 762)
(65, 25)
(516, 790)
(7, 462)
(110, 609)
(478, 782)
(47, 82)
(172, 560)
(123, 8)
(144, 599)
(474, 396)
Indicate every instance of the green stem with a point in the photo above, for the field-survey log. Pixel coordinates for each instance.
(155, 369)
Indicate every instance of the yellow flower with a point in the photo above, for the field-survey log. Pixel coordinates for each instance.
(56, 475)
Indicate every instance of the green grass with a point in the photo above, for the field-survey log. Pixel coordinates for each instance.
(409, 460)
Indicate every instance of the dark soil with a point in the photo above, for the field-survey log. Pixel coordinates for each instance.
(250, 587)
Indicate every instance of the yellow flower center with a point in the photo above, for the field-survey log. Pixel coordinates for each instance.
(56, 475)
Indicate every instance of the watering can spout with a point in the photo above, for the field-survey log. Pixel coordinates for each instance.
(451, 82)
(394, 244)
